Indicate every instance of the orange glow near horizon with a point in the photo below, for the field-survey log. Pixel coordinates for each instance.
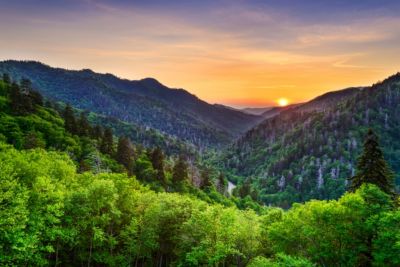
(229, 59)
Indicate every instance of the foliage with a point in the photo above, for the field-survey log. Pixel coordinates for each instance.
(92, 147)
(372, 167)
(65, 203)
(146, 103)
(310, 151)
(52, 215)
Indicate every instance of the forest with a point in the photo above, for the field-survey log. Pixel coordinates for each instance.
(310, 151)
(75, 194)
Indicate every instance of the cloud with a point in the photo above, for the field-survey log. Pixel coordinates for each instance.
(241, 49)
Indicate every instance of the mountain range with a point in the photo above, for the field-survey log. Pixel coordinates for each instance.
(146, 102)
(256, 111)
(310, 150)
(285, 154)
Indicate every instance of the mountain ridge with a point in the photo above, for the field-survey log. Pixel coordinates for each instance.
(309, 151)
(146, 102)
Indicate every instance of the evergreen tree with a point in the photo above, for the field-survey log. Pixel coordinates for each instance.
(221, 183)
(106, 145)
(16, 99)
(21, 102)
(97, 132)
(31, 140)
(36, 98)
(6, 78)
(124, 154)
(372, 167)
(157, 160)
(205, 179)
(26, 85)
(70, 120)
(180, 171)
(83, 125)
(245, 189)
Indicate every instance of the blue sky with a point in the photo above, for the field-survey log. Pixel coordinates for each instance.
(240, 53)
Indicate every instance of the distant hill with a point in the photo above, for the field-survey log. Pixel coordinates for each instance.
(308, 151)
(147, 102)
(276, 110)
(256, 111)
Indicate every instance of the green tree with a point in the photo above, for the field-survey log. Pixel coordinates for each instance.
(36, 98)
(97, 132)
(31, 140)
(107, 144)
(372, 167)
(205, 181)
(332, 233)
(14, 212)
(17, 100)
(157, 160)
(83, 125)
(124, 154)
(69, 120)
(386, 243)
(180, 171)
(221, 183)
(245, 188)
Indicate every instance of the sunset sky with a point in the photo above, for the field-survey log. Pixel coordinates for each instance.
(239, 53)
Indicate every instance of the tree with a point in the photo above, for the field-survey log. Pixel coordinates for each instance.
(124, 153)
(16, 99)
(97, 132)
(180, 171)
(31, 140)
(245, 189)
(372, 167)
(36, 98)
(26, 85)
(14, 216)
(70, 120)
(106, 145)
(386, 248)
(205, 179)
(157, 159)
(83, 125)
(221, 183)
(24, 99)
(6, 78)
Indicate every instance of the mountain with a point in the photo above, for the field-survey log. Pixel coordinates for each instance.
(328, 100)
(308, 151)
(71, 194)
(146, 102)
(276, 110)
(256, 111)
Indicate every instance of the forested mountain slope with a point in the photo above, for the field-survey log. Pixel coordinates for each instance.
(309, 151)
(29, 121)
(145, 102)
(72, 196)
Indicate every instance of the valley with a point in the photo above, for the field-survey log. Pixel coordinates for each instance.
(207, 133)
(94, 189)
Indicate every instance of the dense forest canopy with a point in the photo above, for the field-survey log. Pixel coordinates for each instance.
(51, 215)
(75, 194)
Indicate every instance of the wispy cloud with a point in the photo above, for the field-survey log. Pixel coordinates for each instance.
(237, 48)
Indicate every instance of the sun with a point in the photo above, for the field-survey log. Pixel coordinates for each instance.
(283, 102)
